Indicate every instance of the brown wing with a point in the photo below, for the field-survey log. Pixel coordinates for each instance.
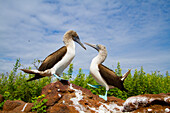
(109, 75)
(53, 58)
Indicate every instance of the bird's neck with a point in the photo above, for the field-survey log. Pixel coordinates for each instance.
(70, 46)
(99, 58)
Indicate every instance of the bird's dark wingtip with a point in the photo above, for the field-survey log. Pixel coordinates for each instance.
(34, 78)
(31, 79)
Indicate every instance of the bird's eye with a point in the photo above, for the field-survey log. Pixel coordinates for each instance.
(75, 37)
(97, 46)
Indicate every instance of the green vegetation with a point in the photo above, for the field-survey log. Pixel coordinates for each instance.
(39, 106)
(14, 86)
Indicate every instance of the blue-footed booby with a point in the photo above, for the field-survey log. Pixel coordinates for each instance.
(103, 75)
(55, 63)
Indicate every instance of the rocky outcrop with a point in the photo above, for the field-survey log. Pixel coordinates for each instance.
(10, 105)
(69, 98)
(17, 106)
(148, 103)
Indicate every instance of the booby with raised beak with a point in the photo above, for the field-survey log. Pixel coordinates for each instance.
(103, 75)
(55, 63)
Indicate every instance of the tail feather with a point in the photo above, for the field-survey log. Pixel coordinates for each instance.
(36, 72)
(30, 71)
(125, 75)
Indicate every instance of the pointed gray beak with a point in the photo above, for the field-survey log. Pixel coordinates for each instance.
(93, 46)
(79, 42)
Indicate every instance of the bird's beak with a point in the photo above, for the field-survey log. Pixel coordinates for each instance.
(93, 45)
(79, 42)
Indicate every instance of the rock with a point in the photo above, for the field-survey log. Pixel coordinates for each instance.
(118, 101)
(69, 98)
(153, 109)
(11, 112)
(72, 99)
(16, 107)
(27, 107)
(147, 103)
(10, 105)
(1, 98)
(61, 108)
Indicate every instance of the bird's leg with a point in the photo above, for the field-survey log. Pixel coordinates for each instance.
(104, 96)
(57, 77)
(94, 86)
(60, 79)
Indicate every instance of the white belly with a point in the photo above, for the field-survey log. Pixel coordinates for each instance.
(66, 60)
(60, 66)
(94, 70)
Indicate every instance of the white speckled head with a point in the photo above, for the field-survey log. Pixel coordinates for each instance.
(101, 49)
(70, 36)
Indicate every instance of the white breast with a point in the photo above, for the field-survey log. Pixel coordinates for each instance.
(94, 71)
(66, 60)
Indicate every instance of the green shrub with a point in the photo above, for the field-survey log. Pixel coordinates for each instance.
(39, 104)
(16, 87)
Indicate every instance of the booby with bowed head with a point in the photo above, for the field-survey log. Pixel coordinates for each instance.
(103, 75)
(55, 63)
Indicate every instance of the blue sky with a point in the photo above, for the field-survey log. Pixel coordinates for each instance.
(135, 32)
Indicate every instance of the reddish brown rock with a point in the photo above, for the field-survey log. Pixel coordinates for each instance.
(69, 96)
(66, 99)
(10, 105)
(1, 98)
(117, 101)
(147, 101)
(153, 109)
(61, 108)
(12, 112)
(27, 107)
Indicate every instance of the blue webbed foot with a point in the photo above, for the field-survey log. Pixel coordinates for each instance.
(104, 96)
(94, 86)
